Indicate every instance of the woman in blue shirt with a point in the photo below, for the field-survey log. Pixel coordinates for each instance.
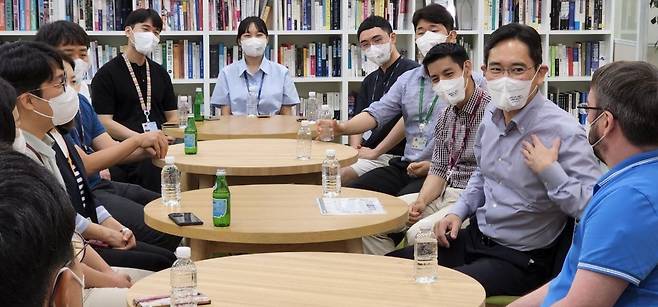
(267, 80)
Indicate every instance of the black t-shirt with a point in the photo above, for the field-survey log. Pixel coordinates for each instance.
(374, 86)
(113, 93)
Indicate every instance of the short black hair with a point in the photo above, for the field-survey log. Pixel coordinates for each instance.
(244, 25)
(7, 104)
(374, 21)
(36, 226)
(62, 33)
(143, 15)
(67, 59)
(27, 65)
(523, 33)
(456, 52)
(629, 90)
(434, 13)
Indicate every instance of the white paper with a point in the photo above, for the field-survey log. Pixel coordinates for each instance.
(350, 206)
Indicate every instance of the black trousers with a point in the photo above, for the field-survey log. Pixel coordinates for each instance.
(125, 202)
(392, 179)
(143, 256)
(142, 173)
(500, 270)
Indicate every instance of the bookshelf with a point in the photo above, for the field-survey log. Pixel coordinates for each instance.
(473, 18)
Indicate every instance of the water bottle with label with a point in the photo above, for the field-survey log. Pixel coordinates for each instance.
(221, 201)
(326, 130)
(183, 110)
(425, 255)
(183, 279)
(330, 175)
(312, 107)
(304, 141)
(252, 102)
(190, 136)
(170, 183)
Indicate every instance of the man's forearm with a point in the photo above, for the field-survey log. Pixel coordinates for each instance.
(109, 157)
(115, 129)
(432, 188)
(358, 124)
(534, 298)
(394, 137)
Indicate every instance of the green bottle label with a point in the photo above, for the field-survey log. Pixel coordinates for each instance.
(190, 140)
(219, 207)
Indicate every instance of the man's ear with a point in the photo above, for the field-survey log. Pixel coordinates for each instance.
(452, 37)
(394, 38)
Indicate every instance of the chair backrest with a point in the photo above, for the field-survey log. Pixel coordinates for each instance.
(563, 245)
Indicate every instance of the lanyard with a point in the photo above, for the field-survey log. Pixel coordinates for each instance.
(246, 81)
(424, 121)
(386, 83)
(469, 121)
(146, 107)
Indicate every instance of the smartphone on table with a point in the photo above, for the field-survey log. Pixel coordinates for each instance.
(185, 219)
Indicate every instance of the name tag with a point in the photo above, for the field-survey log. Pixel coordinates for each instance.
(150, 126)
(419, 143)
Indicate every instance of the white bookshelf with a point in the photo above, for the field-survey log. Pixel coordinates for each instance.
(346, 83)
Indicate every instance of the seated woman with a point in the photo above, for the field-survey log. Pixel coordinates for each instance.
(270, 82)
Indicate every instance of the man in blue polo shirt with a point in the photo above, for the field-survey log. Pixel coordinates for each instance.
(613, 259)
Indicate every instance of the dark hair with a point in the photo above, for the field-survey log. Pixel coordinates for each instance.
(36, 227)
(7, 104)
(434, 13)
(629, 90)
(61, 33)
(244, 25)
(143, 15)
(374, 21)
(67, 59)
(456, 52)
(27, 65)
(523, 33)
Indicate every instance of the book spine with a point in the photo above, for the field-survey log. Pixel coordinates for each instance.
(170, 58)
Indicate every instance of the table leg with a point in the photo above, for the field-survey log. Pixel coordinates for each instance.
(199, 249)
(189, 182)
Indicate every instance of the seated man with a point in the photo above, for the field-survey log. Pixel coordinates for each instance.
(613, 259)
(522, 193)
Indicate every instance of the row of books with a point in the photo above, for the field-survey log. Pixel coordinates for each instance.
(222, 55)
(316, 59)
(569, 101)
(332, 99)
(498, 13)
(309, 15)
(25, 15)
(578, 14)
(579, 59)
(177, 15)
(225, 15)
(395, 11)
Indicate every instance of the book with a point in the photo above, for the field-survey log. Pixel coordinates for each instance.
(578, 59)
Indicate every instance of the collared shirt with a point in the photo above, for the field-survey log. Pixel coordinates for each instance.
(616, 235)
(277, 88)
(454, 147)
(514, 206)
(373, 87)
(403, 97)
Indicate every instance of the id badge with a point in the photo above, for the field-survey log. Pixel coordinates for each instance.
(150, 126)
(419, 143)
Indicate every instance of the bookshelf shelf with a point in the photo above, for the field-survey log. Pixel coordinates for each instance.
(580, 32)
(398, 32)
(317, 79)
(570, 79)
(181, 33)
(223, 33)
(467, 32)
(187, 81)
(306, 32)
(105, 33)
(18, 33)
(355, 79)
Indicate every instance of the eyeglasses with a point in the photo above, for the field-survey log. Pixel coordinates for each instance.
(79, 245)
(377, 40)
(585, 107)
(60, 83)
(514, 72)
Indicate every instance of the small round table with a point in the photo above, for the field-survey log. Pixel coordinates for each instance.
(242, 127)
(250, 161)
(274, 218)
(318, 279)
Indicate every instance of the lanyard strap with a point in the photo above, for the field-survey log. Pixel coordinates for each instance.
(420, 104)
(260, 89)
(386, 82)
(34, 151)
(469, 121)
(146, 107)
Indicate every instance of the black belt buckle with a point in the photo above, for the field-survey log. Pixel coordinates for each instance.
(487, 241)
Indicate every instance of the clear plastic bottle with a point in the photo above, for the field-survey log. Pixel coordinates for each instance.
(252, 102)
(170, 177)
(312, 107)
(183, 110)
(425, 255)
(326, 131)
(330, 175)
(304, 141)
(183, 279)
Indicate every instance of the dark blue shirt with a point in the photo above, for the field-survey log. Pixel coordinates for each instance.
(87, 128)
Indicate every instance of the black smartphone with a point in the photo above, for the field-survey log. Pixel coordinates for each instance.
(185, 218)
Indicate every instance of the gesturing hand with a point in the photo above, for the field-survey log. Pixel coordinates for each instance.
(537, 156)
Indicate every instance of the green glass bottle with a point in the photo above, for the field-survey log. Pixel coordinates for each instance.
(190, 137)
(221, 201)
(198, 105)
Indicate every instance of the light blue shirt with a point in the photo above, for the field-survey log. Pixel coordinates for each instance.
(272, 81)
(404, 96)
(514, 206)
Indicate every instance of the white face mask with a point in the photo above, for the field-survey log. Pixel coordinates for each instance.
(379, 54)
(145, 42)
(254, 46)
(428, 40)
(81, 68)
(510, 94)
(19, 142)
(453, 91)
(65, 107)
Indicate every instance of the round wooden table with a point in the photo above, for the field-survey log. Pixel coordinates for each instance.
(242, 127)
(251, 161)
(319, 279)
(274, 218)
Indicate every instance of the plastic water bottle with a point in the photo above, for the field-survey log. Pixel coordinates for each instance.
(425, 255)
(183, 110)
(326, 131)
(331, 175)
(304, 141)
(312, 107)
(252, 103)
(183, 279)
(170, 183)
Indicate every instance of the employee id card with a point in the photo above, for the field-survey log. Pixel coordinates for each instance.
(150, 126)
(419, 142)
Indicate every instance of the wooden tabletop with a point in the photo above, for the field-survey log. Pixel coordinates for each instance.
(319, 279)
(238, 127)
(256, 157)
(277, 214)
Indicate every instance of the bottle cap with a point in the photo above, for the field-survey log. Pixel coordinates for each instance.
(190, 115)
(311, 94)
(425, 226)
(331, 152)
(170, 159)
(221, 172)
(183, 252)
(325, 107)
(198, 89)
(182, 98)
(305, 123)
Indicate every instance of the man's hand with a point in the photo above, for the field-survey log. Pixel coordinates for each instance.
(120, 280)
(537, 156)
(121, 239)
(418, 169)
(367, 153)
(338, 130)
(105, 174)
(156, 140)
(450, 223)
(416, 209)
